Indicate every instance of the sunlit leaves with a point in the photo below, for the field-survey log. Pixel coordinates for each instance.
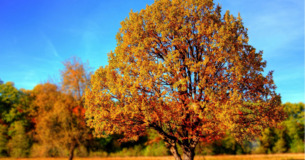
(75, 78)
(186, 71)
(59, 112)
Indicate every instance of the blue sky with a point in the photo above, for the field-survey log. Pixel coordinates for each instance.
(36, 36)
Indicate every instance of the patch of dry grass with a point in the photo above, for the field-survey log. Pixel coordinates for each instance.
(299, 156)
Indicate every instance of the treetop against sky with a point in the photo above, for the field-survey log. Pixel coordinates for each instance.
(36, 36)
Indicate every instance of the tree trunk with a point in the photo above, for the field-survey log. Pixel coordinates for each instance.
(188, 153)
(175, 153)
(173, 149)
(71, 154)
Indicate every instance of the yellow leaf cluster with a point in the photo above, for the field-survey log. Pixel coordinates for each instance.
(186, 71)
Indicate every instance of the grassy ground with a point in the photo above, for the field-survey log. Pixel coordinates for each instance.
(299, 156)
(256, 157)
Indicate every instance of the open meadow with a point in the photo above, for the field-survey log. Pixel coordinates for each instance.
(297, 156)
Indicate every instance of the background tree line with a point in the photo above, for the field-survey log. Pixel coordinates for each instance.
(48, 121)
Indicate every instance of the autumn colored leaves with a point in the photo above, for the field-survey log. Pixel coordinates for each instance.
(186, 71)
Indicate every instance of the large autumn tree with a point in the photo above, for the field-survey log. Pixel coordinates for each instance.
(186, 71)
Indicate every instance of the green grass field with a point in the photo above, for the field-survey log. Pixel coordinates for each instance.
(298, 156)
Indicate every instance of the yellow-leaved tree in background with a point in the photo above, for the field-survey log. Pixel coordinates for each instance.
(59, 112)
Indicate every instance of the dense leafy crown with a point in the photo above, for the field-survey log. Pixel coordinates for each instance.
(183, 69)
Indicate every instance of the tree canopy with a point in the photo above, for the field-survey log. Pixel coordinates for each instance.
(60, 112)
(75, 78)
(188, 72)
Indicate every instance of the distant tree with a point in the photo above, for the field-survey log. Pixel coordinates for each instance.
(186, 71)
(58, 127)
(45, 96)
(295, 124)
(19, 144)
(14, 121)
(3, 140)
(267, 141)
(75, 78)
(288, 138)
(60, 110)
(228, 145)
(9, 99)
(281, 145)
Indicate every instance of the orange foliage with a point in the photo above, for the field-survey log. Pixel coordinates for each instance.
(186, 71)
(79, 111)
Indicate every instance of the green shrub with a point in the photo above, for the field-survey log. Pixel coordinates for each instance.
(156, 149)
(19, 144)
(3, 140)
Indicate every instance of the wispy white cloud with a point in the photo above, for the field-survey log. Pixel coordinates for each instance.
(50, 46)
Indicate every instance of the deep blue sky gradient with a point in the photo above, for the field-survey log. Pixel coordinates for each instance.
(37, 35)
